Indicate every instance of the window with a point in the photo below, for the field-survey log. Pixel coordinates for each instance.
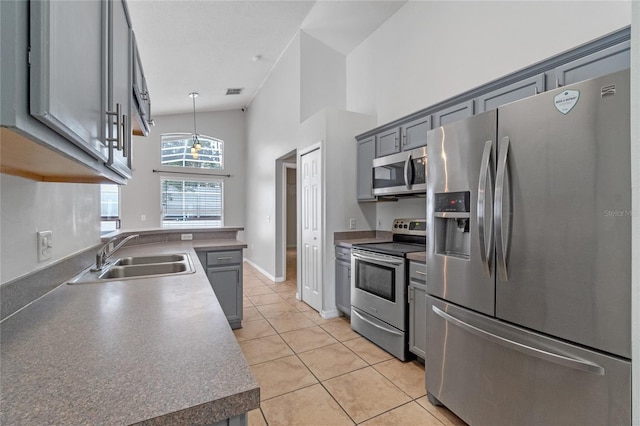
(188, 203)
(176, 151)
(109, 208)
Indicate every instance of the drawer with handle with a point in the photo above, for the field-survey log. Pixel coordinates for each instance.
(224, 257)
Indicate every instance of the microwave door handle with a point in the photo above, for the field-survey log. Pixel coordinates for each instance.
(408, 180)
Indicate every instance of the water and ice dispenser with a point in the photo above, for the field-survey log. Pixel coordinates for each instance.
(451, 224)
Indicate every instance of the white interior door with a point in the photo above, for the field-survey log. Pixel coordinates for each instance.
(311, 224)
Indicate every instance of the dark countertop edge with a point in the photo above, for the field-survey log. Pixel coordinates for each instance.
(420, 256)
(207, 413)
(347, 239)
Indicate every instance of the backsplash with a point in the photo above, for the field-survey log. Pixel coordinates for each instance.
(70, 210)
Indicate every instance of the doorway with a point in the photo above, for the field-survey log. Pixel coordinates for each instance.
(286, 217)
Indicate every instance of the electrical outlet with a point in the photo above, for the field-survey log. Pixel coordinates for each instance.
(186, 237)
(143, 217)
(45, 245)
(352, 223)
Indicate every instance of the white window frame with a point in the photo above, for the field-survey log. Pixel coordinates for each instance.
(191, 223)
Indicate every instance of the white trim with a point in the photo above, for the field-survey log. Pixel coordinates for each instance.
(334, 313)
(263, 272)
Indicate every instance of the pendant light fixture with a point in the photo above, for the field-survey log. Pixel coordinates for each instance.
(195, 147)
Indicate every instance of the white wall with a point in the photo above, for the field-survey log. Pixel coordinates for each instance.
(432, 50)
(322, 77)
(141, 196)
(272, 124)
(70, 210)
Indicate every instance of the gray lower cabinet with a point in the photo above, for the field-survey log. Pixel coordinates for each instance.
(224, 270)
(417, 308)
(343, 280)
(366, 153)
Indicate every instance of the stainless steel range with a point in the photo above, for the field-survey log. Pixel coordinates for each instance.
(379, 286)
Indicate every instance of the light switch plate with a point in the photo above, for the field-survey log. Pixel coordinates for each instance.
(44, 245)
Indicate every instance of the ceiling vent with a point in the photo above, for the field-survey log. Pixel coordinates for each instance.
(234, 91)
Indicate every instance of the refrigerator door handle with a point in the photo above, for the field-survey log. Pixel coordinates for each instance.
(559, 359)
(408, 180)
(502, 246)
(485, 171)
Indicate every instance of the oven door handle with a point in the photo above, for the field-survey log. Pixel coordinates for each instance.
(388, 330)
(376, 259)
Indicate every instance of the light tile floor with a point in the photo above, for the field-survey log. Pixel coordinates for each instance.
(313, 371)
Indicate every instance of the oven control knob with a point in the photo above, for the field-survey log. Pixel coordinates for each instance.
(405, 226)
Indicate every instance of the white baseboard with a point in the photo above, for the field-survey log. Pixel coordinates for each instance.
(334, 313)
(263, 272)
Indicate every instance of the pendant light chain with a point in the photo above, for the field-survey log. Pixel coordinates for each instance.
(196, 142)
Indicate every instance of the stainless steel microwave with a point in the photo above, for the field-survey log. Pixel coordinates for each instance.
(403, 173)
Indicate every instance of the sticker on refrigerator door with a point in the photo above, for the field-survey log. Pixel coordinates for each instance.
(566, 100)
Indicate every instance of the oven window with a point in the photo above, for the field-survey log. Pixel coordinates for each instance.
(376, 279)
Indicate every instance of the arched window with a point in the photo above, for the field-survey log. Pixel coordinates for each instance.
(176, 151)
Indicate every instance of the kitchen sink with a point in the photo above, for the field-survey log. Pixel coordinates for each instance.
(144, 260)
(139, 267)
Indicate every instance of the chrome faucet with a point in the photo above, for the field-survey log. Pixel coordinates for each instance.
(103, 254)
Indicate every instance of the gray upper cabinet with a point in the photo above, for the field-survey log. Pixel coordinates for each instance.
(511, 93)
(414, 133)
(120, 67)
(388, 142)
(141, 99)
(67, 70)
(454, 113)
(606, 61)
(70, 73)
(365, 155)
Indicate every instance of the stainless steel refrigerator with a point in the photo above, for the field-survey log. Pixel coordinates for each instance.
(529, 260)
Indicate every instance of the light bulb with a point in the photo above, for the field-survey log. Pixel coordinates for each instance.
(198, 146)
(193, 150)
(195, 156)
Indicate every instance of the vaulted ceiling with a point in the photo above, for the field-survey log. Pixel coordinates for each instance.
(209, 46)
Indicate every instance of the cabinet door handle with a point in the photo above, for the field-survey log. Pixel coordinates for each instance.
(421, 273)
(125, 143)
(118, 138)
(225, 258)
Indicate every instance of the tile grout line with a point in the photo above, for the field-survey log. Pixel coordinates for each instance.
(320, 382)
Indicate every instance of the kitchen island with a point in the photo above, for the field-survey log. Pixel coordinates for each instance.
(151, 350)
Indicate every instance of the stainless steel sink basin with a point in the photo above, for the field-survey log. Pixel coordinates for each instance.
(128, 268)
(144, 260)
(143, 270)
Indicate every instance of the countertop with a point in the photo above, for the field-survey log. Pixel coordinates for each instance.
(155, 350)
(420, 256)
